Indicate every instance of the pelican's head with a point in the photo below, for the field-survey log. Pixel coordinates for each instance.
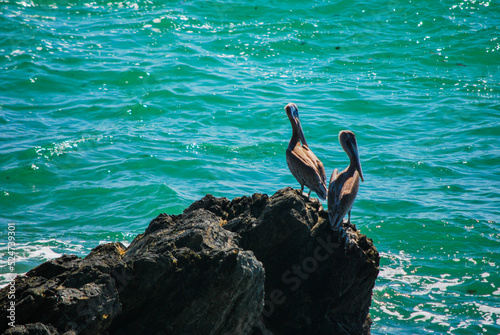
(292, 110)
(293, 114)
(348, 141)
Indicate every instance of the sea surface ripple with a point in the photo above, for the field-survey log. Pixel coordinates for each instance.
(112, 112)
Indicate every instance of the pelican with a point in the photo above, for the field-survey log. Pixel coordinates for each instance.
(302, 162)
(343, 186)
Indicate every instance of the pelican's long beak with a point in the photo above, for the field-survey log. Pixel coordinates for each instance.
(358, 165)
(354, 149)
(293, 115)
(300, 131)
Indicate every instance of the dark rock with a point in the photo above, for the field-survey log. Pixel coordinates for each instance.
(253, 265)
(32, 329)
(316, 283)
(69, 293)
(190, 277)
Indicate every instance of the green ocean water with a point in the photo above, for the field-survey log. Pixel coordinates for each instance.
(112, 112)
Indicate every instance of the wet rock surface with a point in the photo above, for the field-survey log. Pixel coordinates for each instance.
(253, 265)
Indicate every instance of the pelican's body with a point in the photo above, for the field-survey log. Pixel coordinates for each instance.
(302, 162)
(343, 186)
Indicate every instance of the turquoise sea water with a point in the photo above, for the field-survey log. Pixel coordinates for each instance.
(112, 112)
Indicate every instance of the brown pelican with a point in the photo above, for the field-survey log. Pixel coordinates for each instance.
(344, 186)
(302, 162)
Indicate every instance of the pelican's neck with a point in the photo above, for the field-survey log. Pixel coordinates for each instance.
(348, 148)
(295, 136)
(354, 162)
(297, 132)
(353, 165)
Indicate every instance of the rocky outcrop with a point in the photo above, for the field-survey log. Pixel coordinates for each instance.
(253, 265)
